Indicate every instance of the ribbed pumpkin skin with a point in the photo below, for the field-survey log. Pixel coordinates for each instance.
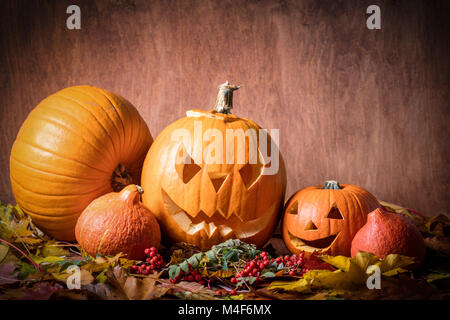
(315, 204)
(118, 222)
(250, 211)
(66, 151)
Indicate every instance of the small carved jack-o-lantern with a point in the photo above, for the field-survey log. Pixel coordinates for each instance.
(325, 219)
(203, 202)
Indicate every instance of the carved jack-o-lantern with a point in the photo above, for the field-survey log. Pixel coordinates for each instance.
(325, 219)
(206, 202)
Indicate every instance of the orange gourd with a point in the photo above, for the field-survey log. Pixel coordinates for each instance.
(76, 145)
(118, 222)
(206, 202)
(326, 218)
(386, 233)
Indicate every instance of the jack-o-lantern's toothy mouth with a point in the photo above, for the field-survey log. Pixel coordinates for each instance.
(312, 245)
(231, 227)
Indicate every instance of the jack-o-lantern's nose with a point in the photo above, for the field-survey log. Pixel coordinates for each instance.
(217, 179)
(311, 226)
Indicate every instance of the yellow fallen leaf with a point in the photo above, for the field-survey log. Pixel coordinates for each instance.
(204, 272)
(85, 277)
(395, 208)
(100, 263)
(351, 272)
(49, 259)
(393, 263)
(15, 226)
(177, 256)
(3, 251)
(109, 259)
(126, 263)
(93, 267)
(323, 295)
(30, 240)
(222, 273)
(52, 248)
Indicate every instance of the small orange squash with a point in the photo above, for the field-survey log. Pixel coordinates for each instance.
(205, 203)
(326, 218)
(118, 222)
(386, 233)
(76, 145)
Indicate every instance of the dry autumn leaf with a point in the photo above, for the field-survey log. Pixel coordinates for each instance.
(7, 275)
(3, 251)
(435, 225)
(439, 244)
(143, 289)
(52, 248)
(191, 291)
(16, 227)
(350, 273)
(39, 291)
(221, 273)
(85, 277)
(135, 288)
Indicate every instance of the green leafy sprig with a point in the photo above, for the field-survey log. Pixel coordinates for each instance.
(224, 256)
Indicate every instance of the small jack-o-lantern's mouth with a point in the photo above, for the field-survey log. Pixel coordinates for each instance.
(217, 224)
(312, 245)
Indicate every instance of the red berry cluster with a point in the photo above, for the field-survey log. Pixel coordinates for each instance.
(191, 276)
(294, 263)
(224, 292)
(153, 262)
(254, 267)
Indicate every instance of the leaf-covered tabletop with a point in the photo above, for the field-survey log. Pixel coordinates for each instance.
(34, 266)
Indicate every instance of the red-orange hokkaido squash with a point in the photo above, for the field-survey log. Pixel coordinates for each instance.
(386, 233)
(118, 222)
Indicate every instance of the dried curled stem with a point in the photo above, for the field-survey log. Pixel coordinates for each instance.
(224, 101)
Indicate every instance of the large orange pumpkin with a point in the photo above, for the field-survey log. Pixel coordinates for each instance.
(118, 222)
(205, 203)
(326, 218)
(75, 146)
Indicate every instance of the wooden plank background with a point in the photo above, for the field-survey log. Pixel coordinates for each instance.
(367, 107)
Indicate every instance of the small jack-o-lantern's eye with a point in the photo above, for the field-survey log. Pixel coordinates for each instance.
(335, 213)
(294, 208)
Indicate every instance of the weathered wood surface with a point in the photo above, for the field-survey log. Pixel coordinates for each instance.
(359, 106)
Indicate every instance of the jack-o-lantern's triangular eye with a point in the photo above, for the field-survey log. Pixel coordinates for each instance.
(250, 173)
(293, 209)
(335, 213)
(187, 169)
(217, 179)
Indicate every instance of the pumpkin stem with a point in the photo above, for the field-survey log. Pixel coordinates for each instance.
(224, 101)
(120, 178)
(332, 185)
